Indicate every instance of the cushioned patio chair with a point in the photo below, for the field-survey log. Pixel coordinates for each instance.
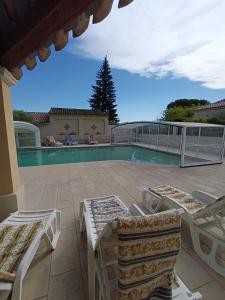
(52, 142)
(135, 259)
(205, 215)
(97, 216)
(92, 140)
(70, 140)
(20, 237)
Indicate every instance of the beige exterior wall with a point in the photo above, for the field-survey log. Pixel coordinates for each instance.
(210, 113)
(9, 173)
(79, 126)
(11, 190)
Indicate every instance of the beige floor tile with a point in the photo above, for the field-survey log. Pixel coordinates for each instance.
(64, 204)
(64, 260)
(191, 271)
(4, 295)
(67, 286)
(37, 279)
(212, 291)
(65, 257)
(64, 186)
(68, 217)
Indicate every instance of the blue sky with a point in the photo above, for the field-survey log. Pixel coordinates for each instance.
(149, 70)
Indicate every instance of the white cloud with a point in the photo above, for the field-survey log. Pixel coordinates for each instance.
(178, 38)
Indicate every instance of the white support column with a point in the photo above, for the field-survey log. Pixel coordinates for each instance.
(183, 146)
(157, 137)
(11, 191)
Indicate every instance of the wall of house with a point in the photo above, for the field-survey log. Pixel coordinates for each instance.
(79, 126)
(210, 113)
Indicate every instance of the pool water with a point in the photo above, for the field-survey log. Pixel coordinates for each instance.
(38, 157)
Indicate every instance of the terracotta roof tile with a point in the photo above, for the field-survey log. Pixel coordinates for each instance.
(43, 117)
(74, 111)
(76, 18)
(217, 104)
(40, 117)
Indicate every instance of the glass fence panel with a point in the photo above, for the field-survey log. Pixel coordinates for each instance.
(203, 145)
(25, 139)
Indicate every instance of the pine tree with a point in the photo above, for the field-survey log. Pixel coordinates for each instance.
(104, 93)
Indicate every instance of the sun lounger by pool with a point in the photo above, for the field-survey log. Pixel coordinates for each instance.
(20, 237)
(123, 245)
(70, 140)
(52, 142)
(204, 213)
(92, 140)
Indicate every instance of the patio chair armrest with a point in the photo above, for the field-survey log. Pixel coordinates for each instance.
(136, 210)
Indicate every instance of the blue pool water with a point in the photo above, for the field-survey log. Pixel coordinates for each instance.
(37, 157)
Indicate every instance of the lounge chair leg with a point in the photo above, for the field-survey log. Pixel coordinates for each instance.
(91, 274)
(209, 259)
(17, 289)
(57, 229)
(82, 221)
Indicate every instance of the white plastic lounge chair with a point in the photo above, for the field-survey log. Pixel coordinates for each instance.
(205, 215)
(135, 259)
(92, 140)
(95, 213)
(70, 140)
(52, 142)
(20, 236)
(98, 215)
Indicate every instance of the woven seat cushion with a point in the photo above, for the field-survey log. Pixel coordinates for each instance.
(148, 248)
(105, 211)
(186, 200)
(14, 242)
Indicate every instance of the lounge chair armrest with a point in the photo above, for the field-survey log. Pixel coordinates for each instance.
(204, 197)
(136, 210)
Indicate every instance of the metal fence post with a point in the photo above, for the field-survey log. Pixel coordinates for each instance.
(182, 163)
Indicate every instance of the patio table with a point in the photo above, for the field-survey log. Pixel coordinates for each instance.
(95, 213)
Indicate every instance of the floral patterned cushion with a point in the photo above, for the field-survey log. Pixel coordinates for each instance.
(191, 204)
(148, 248)
(106, 210)
(14, 241)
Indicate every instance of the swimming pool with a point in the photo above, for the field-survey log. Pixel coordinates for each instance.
(38, 157)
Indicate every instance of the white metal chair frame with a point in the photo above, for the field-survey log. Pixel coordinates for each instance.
(87, 223)
(153, 202)
(50, 232)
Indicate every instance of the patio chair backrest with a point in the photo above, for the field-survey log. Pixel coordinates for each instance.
(214, 207)
(147, 252)
(69, 138)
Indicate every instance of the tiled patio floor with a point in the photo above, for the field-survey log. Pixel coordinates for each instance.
(62, 274)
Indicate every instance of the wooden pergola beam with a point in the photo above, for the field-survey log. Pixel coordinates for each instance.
(38, 29)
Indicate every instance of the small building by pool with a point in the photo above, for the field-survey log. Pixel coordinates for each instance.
(79, 123)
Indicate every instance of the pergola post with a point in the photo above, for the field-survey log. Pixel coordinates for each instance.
(11, 191)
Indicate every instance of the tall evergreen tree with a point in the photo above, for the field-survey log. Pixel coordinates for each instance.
(104, 93)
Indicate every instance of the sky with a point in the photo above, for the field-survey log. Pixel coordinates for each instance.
(158, 51)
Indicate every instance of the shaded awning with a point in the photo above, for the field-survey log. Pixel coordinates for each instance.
(28, 28)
